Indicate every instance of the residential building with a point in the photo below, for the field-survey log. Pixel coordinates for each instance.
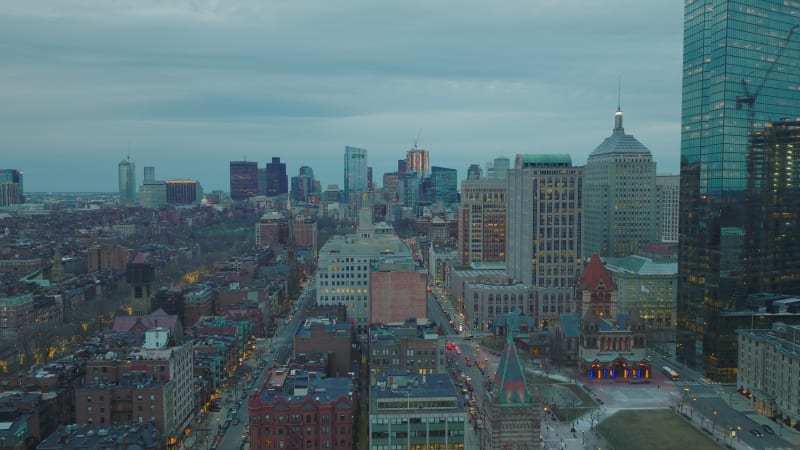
(418, 161)
(303, 410)
(355, 172)
(544, 223)
(741, 69)
(327, 338)
(482, 221)
(407, 348)
(142, 436)
(415, 411)
(127, 182)
(244, 179)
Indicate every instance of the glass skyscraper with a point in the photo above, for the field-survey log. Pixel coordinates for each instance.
(741, 70)
(127, 182)
(355, 171)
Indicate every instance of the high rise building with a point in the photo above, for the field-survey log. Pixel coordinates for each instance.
(303, 185)
(149, 174)
(277, 182)
(741, 70)
(500, 168)
(474, 172)
(418, 160)
(244, 179)
(127, 182)
(183, 192)
(544, 225)
(619, 196)
(668, 192)
(355, 171)
(11, 187)
(482, 221)
(444, 183)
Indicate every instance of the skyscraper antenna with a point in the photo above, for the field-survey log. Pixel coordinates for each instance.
(619, 93)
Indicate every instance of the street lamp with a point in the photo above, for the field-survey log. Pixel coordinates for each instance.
(714, 425)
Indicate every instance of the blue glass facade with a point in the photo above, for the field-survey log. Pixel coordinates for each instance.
(741, 70)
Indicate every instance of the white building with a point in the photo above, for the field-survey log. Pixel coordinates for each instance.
(345, 265)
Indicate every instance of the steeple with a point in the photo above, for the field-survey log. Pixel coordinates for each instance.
(510, 379)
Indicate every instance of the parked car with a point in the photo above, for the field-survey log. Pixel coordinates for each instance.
(767, 429)
(756, 433)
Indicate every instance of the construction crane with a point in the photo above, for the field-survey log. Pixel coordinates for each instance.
(749, 98)
(416, 141)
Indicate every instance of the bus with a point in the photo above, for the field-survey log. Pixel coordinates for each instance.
(670, 373)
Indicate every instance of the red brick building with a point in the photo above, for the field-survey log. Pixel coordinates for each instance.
(396, 295)
(331, 337)
(302, 411)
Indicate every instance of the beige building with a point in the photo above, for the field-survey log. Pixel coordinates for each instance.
(769, 369)
(482, 221)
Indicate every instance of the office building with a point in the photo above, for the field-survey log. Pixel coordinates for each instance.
(498, 168)
(474, 172)
(619, 196)
(303, 186)
(127, 182)
(407, 348)
(344, 265)
(277, 181)
(11, 187)
(482, 221)
(544, 223)
(444, 184)
(415, 411)
(183, 192)
(668, 192)
(149, 174)
(355, 172)
(397, 291)
(741, 71)
(153, 194)
(244, 179)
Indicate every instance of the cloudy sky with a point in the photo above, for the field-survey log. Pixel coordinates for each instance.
(189, 85)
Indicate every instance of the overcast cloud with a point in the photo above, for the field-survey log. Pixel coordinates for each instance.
(187, 86)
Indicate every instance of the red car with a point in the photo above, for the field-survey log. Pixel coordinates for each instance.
(469, 363)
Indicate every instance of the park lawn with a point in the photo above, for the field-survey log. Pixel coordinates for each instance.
(659, 429)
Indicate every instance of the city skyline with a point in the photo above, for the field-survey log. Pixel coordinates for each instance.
(188, 88)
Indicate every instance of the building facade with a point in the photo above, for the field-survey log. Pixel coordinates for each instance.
(397, 291)
(619, 196)
(126, 171)
(277, 181)
(415, 411)
(668, 192)
(406, 348)
(544, 223)
(244, 179)
(355, 171)
(418, 161)
(183, 192)
(741, 70)
(11, 187)
(482, 221)
(444, 183)
(769, 369)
